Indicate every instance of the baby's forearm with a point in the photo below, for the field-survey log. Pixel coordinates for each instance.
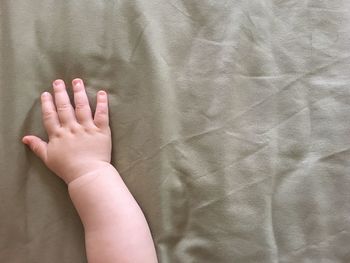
(115, 227)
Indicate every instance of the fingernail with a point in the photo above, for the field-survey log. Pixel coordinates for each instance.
(76, 82)
(76, 86)
(58, 82)
(102, 93)
(45, 94)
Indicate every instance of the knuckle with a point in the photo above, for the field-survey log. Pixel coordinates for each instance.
(75, 129)
(63, 107)
(91, 129)
(57, 134)
(102, 111)
(80, 106)
(48, 115)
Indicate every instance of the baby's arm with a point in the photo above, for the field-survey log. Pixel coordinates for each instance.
(79, 152)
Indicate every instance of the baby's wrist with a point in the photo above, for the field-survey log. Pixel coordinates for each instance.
(86, 175)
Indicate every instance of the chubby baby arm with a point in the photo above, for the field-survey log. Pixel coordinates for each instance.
(79, 152)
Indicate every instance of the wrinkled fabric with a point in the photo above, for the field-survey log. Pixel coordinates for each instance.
(230, 123)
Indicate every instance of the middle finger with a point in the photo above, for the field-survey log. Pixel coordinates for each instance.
(64, 108)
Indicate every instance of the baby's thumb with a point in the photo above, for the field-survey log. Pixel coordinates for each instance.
(37, 145)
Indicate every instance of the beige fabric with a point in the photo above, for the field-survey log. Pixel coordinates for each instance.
(230, 124)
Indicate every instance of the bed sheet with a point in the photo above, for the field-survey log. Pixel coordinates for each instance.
(230, 124)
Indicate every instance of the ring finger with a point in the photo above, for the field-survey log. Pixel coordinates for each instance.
(82, 107)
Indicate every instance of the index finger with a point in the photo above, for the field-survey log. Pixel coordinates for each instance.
(49, 114)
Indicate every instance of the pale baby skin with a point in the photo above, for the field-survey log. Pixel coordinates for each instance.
(79, 152)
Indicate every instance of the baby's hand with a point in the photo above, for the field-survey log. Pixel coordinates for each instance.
(78, 143)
